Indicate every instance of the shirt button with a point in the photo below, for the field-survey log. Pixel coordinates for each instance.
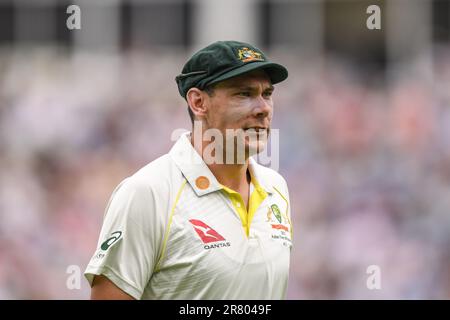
(238, 205)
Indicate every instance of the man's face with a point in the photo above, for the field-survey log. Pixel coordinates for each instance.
(243, 102)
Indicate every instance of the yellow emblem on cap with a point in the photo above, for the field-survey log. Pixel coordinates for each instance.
(247, 55)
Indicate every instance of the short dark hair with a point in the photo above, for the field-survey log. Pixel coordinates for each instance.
(210, 91)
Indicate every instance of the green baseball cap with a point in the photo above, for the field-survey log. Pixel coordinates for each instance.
(223, 60)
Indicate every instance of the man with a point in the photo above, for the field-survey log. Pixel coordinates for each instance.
(203, 225)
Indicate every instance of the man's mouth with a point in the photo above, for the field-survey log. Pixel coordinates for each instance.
(256, 129)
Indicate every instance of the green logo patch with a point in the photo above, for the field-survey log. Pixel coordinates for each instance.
(276, 212)
(115, 236)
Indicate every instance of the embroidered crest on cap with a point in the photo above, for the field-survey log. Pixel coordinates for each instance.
(247, 55)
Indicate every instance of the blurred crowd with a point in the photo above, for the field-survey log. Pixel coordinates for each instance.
(366, 156)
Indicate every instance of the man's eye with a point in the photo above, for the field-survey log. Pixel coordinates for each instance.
(267, 94)
(244, 94)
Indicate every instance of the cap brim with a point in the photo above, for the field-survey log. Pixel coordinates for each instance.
(275, 71)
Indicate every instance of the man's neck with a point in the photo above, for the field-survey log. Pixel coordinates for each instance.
(233, 176)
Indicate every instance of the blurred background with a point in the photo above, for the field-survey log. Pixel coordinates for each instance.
(364, 121)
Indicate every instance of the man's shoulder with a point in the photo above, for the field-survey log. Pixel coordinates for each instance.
(158, 176)
(158, 168)
(146, 194)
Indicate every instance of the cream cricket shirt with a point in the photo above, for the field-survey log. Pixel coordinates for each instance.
(172, 231)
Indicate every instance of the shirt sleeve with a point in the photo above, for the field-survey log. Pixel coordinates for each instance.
(130, 239)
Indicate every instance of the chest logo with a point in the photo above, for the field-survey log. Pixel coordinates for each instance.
(205, 232)
(276, 212)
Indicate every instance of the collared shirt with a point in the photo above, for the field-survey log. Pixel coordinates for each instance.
(172, 231)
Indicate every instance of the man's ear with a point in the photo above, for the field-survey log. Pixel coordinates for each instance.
(196, 100)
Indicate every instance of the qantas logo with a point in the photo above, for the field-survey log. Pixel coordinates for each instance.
(205, 232)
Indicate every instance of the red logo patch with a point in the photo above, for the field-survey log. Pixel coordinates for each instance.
(205, 232)
(280, 227)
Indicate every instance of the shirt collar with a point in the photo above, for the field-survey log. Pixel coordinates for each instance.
(193, 167)
(199, 176)
(258, 178)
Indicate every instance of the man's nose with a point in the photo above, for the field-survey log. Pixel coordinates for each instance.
(263, 107)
